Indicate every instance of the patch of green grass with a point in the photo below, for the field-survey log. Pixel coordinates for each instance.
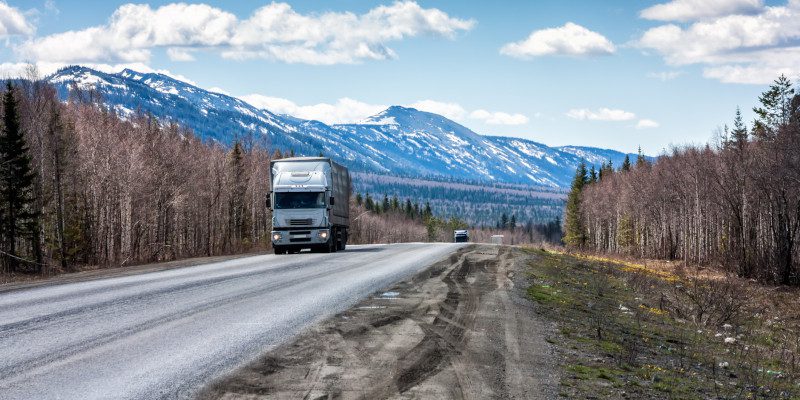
(547, 294)
(584, 372)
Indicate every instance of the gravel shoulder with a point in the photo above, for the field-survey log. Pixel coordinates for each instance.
(462, 329)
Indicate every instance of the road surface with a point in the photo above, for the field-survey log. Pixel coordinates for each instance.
(164, 334)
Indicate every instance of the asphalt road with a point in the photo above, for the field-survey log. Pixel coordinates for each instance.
(164, 334)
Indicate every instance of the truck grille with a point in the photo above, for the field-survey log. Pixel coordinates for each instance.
(299, 236)
(300, 222)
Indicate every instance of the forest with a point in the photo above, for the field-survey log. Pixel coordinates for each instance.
(82, 187)
(734, 204)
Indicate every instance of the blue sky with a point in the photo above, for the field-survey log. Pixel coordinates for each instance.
(616, 74)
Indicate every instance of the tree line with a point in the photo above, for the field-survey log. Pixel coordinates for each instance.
(81, 186)
(735, 203)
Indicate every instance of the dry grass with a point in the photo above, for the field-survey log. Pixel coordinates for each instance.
(672, 332)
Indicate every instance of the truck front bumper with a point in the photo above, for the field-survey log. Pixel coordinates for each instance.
(300, 237)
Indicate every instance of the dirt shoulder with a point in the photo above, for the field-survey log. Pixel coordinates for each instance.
(462, 329)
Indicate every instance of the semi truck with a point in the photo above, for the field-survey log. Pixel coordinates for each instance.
(310, 202)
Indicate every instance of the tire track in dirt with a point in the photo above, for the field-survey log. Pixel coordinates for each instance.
(458, 330)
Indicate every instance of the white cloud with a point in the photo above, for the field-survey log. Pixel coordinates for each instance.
(345, 110)
(734, 48)
(665, 75)
(274, 31)
(51, 7)
(179, 54)
(215, 89)
(646, 124)
(452, 111)
(602, 114)
(688, 10)
(757, 74)
(570, 40)
(499, 117)
(13, 22)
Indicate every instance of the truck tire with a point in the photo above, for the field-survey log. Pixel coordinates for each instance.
(334, 242)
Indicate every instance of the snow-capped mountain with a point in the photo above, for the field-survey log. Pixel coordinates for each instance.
(398, 141)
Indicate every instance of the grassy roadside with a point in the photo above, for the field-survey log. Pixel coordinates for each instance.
(629, 331)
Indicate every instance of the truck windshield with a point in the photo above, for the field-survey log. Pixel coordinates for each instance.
(300, 200)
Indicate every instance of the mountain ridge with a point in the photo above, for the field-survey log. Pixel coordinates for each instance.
(398, 141)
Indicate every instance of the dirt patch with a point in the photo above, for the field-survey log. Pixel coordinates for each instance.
(462, 329)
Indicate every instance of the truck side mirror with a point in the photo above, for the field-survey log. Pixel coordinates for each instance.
(269, 201)
(332, 202)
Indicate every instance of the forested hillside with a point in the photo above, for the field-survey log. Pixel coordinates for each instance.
(735, 204)
(478, 203)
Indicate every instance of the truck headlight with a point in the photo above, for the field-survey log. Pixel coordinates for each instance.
(276, 236)
(323, 234)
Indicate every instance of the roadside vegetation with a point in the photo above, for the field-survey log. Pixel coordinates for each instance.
(660, 331)
(734, 205)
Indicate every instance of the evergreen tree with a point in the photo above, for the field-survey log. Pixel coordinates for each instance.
(575, 236)
(593, 175)
(775, 108)
(386, 204)
(427, 213)
(504, 221)
(626, 164)
(641, 161)
(739, 133)
(602, 171)
(512, 224)
(369, 204)
(395, 203)
(359, 199)
(18, 220)
(409, 209)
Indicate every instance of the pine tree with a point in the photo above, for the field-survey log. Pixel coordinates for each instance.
(386, 204)
(575, 236)
(775, 108)
(512, 224)
(369, 204)
(18, 220)
(359, 199)
(395, 203)
(739, 133)
(641, 161)
(602, 172)
(593, 175)
(626, 164)
(409, 209)
(504, 221)
(427, 213)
